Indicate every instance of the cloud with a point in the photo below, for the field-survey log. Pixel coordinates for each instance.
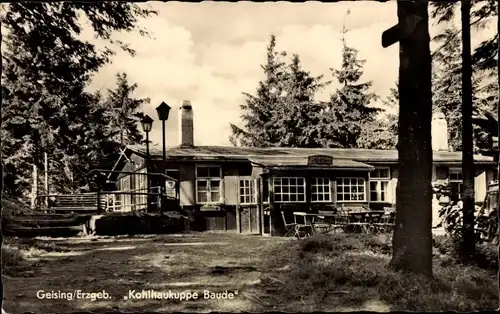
(211, 52)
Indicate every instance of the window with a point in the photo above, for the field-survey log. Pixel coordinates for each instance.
(289, 190)
(265, 190)
(456, 175)
(208, 185)
(126, 198)
(320, 190)
(171, 185)
(456, 183)
(379, 185)
(350, 189)
(247, 192)
(141, 187)
(380, 173)
(378, 191)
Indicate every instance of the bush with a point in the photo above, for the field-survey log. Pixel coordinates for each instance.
(11, 256)
(330, 243)
(131, 224)
(486, 256)
(323, 265)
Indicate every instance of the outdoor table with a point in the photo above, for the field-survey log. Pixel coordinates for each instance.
(366, 213)
(310, 217)
(363, 225)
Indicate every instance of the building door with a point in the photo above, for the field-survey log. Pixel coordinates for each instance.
(249, 220)
(266, 222)
(249, 210)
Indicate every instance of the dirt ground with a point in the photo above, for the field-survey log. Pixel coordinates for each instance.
(179, 263)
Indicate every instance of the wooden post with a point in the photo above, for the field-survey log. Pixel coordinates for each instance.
(412, 239)
(308, 219)
(260, 211)
(498, 134)
(46, 170)
(272, 212)
(34, 188)
(238, 216)
(98, 202)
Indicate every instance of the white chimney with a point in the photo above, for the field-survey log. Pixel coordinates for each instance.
(186, 130)
(439, 129)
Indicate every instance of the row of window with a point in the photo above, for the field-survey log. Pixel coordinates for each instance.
(293, 189)
(287, 189)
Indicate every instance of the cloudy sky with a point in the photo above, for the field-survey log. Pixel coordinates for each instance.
(210, 53)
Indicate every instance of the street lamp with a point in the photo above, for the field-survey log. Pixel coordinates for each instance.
(163, 110)
(147, 125)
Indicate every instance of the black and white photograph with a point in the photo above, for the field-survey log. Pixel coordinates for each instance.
(198, 157)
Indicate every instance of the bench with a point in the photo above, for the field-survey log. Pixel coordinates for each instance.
(75, 203)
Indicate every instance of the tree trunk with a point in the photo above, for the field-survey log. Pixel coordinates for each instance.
(412, 241)
(498, 125)
(468, 246)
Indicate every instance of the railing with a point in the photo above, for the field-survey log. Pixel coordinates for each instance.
(137, 199)
(68, 202)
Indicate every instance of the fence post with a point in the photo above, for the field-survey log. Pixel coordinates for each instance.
(98, 202)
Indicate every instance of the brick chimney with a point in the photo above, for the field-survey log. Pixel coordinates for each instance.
(186, 130)
(439, 130)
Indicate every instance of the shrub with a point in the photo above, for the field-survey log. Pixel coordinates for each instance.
(330, 243)
(324, 264)
(486, 256)
(11, 256)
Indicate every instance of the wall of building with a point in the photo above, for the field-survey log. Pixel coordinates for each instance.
(187, 184)
(231, 183)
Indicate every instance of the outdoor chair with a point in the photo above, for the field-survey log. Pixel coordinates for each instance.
(324, 224)
(341, 221)
(385, 224)
(289, 227)
(302, 229)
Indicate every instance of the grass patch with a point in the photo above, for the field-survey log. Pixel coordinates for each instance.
(350, 270)
(486, 256)
(11, 256)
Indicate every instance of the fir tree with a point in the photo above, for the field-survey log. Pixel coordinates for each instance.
(259, 110)
(382, 132)
(46, 68)
(348, 111)
(298, 118)
(447, 89)
(123, 111)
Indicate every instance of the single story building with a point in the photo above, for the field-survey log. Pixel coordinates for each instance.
(234, 188)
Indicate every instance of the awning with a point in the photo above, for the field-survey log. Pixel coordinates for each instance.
(310, 163)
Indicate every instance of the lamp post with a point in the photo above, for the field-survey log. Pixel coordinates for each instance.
(163, 110)
(147, 125)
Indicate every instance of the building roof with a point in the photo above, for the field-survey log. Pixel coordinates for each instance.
(246, 153)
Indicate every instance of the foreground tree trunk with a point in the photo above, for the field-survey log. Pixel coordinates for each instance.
(498, 125)
(468, 245)
(412, 241)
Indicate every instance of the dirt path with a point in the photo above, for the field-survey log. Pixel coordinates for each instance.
(197, 263)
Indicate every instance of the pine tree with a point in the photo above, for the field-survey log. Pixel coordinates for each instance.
(447, 89)
(258, 110)
(123, 111)
(46, 68)
(382, 133)
(447, 62)
(284, 113)
(447, 85)
(348, 111)
(299, 113)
